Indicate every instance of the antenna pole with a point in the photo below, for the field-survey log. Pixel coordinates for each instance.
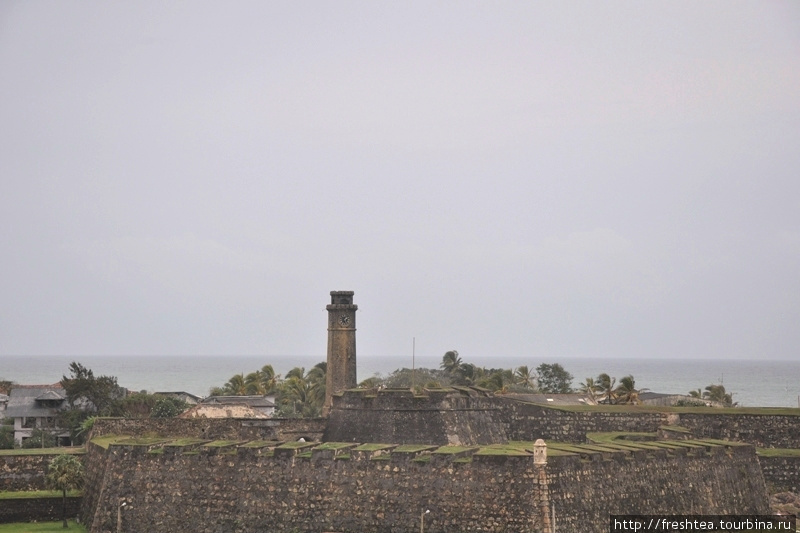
(413, 362)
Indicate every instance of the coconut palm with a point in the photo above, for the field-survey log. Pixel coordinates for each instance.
(717, 393)
(236, 386)
(525, 377)
(451, 362)
(590, 388)
(605, 388)
(627, 392)
(64, 473)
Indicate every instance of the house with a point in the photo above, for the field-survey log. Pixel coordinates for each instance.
(187, 397)
(233, 407)
(36, 407)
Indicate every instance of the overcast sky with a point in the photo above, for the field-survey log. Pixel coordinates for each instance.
(594, 179)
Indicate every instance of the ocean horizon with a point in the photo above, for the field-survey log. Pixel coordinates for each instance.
(753, 383)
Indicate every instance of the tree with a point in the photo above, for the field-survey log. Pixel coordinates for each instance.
(554, 379)
(627, 392)
(451, 362)
(64, 473)
(98, 395)
(40, 439)
(7, 435)
(525, 377)
(606, 389)
(167, 407)
(6, 386)
(303, 394)
(717, 393)
(590, 389)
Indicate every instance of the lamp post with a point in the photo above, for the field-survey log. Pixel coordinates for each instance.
(119, 516)
(422, 520)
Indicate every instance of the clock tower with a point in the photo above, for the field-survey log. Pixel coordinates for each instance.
(341, 372)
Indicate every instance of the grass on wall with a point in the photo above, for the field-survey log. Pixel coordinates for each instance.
(44, 451)
(41, 527)
(23, 494)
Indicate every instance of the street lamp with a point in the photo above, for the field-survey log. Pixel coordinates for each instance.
(422, 521)
(119, 516)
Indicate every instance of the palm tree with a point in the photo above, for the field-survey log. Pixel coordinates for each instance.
(269, 379)
(590, 388)
(236, 386)
(64, 473)
(254, 383)
(627, 391)
(304, 392)
(605, 388)
(716, 393)
(451, 362)
(698, 393)
(469, 374)
(525, 376)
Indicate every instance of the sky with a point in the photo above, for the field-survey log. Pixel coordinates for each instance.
(546, 179)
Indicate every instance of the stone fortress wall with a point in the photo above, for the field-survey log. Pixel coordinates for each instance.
(266, 487)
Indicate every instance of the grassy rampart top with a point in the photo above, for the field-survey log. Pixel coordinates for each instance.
(616, 442)
(44, 451)
(759, 411)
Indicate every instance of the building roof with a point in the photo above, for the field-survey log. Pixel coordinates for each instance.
(203, 410)
(180, 394)
(553, 399)
(250, 401)
(22, 402)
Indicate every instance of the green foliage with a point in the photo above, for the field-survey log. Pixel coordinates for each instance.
(690, 403)
(138, 405)
(40, 439)
(6, 437)
(41, 527)
(64, 473)
(626, 392)
(717, 393)
(167, 407)
(99, 395)
(554, 379)
(451, 362)
(5, 386)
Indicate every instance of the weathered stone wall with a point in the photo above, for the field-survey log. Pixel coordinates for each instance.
(717, 481)
(37, 509)
(528, 421)
(781, 474)
(214, 428)
(244, 490)
(95, 469)
(764, 430)
(249, 492)
(398, 416)
(26, 472)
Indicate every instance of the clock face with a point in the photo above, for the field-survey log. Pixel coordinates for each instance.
(344, 320)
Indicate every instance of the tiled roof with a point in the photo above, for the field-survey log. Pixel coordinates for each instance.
(22, 401)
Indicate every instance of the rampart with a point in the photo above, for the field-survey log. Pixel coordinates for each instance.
(37, 509)
(781, 472)
(215, 428)
(22, 472)
(766, 428)
(526, 421)
(763, 427)
(267, 487)
(436, 416)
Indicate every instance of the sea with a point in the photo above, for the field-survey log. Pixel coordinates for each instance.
(754, 383)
